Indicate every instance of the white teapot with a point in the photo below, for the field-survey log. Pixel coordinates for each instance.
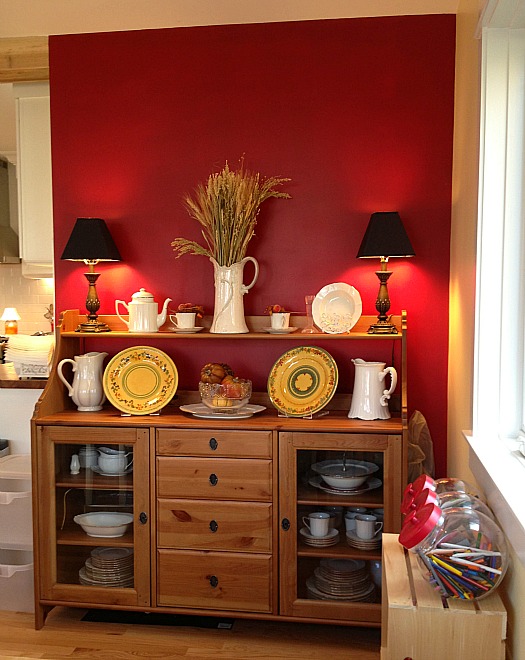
(143, 312)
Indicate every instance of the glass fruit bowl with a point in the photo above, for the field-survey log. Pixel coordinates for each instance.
(225, 397)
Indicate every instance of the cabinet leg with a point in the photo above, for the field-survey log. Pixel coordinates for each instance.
(41, 612)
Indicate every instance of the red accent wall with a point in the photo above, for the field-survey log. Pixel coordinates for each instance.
(357, 112)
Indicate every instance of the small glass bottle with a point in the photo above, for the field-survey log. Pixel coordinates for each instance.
(462, 552)
(310, 328)
(74, 466)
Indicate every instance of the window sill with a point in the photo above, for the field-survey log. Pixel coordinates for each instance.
(500, 472)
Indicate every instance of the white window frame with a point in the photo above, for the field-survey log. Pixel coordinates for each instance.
(499, 358)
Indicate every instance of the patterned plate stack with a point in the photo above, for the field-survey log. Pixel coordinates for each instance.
(108, 567)
(355, 541)
(341, 579)
(332, 538)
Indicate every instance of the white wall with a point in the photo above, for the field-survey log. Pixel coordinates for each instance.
(17, 409)
(30, 297)
(20, 18)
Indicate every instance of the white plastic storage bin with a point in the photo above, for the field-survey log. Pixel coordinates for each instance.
(16, 580)
(16, 528)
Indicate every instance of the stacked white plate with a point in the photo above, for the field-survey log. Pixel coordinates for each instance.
(30, 355)
(341, 579)
(355, 541)
(108, 567)
(319, 541)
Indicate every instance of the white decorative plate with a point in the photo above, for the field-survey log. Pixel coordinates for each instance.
(280, 331)
(202, 411)
(97, 470)
(188, 331)
(337, 308)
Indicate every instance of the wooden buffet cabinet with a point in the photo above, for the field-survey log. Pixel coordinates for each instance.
(217, 506)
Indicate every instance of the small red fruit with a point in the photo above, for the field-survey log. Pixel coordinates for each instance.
(232, 389)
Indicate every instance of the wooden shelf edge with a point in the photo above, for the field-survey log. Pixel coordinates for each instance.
(71, 318)
(24, 59)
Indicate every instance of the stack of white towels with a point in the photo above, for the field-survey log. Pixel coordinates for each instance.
(31, 355)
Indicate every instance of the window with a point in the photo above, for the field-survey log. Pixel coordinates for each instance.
(498, 396)
(499, 372)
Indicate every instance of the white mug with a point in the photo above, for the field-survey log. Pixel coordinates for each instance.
(183, 319)
(356, 509)
(366, 526)
(336, 516)
(350, 522)
(88, 457)
(280, 320)
(317, 523)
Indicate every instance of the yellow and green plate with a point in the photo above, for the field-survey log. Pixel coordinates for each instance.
(302, 381)
(140, 380)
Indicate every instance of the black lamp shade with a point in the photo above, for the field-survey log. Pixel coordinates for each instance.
(90, 240)
(385, 236)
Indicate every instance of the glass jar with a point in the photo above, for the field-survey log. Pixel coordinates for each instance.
(461, 551)
(458, 500)
(442, 485)
(447, 500)
(454, 485)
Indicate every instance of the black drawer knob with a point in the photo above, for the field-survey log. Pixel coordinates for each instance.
(214, 526)
(143, 517)
(213, 444)
(214, 479)
(214, 581)
(285, 524)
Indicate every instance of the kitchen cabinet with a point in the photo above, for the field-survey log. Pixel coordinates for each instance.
(35, 203)
(217, 505)
(300, 494)
(62, 546)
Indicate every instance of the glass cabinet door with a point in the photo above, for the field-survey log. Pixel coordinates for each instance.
(336, 573)
(94, 533)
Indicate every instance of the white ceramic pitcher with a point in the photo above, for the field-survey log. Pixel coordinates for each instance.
(86, 391)
(228, 316)
(369, 398)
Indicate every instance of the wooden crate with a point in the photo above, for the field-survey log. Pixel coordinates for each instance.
(417, 624)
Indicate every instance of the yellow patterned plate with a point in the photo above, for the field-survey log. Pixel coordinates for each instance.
(140, 380)
(302, 381)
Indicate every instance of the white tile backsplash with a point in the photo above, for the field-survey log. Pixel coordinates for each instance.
(30, 297)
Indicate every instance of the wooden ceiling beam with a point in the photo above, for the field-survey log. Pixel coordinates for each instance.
(24, 59)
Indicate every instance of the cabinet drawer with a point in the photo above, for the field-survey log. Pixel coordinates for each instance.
(99, 435)
(245, 444)
(214, 580)
(209, 525)
(219, 478)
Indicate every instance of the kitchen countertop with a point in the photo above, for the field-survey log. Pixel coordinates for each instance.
(24, 384)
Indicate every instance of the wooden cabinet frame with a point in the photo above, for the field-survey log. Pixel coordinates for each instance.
(50, 538)
(293, 493)
(57, 420)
